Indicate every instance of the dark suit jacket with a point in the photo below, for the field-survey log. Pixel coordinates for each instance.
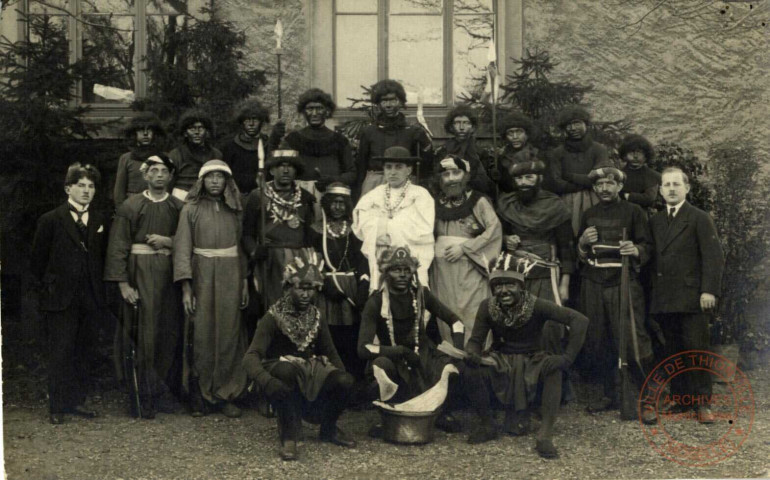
(56, 257)
(688, 260)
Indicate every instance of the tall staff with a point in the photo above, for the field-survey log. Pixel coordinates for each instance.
(492, 89)
(278, 30)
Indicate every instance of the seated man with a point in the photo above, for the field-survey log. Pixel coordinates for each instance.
(293, 359)
(516, 318)
(406, 353)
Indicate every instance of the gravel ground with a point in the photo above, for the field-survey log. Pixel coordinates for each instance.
(178, 446)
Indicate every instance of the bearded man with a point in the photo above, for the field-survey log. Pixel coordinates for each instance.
(519, 367)
(461, 122)
(397, 213)
(197, 131)
(407, 353)
(242, 152)
(569, 164)
(468, 233)
(601, 247)
(293, 359)
(388, 130)
(144, 136)
(211, 266)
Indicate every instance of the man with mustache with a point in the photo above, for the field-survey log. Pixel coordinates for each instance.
(326, 154)
(468, 233)
(197, 131)
(211, 266)
(242, 152)
(67, 262)
(519, 365)
(461, 122)
(293, 359)
(396, 213)
(144, 136)
(570, 163)
(388, 130)
(600, 247)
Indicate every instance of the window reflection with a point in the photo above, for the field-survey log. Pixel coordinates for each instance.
(107, 6)
(416, 55)
(471, 37)
(52, 7)
(355, 55)
(108, 50)
(356, 6)
(416, 6)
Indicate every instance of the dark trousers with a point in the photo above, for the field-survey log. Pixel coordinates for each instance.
(327, 407)
(687, 331)
(72, 337)
(345, 338)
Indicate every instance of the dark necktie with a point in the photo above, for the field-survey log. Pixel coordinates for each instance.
(671, 214)
(79, 222)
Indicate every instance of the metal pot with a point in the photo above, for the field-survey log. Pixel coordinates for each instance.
(408, 427)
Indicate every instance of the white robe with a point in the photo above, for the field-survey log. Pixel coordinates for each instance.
(411, 225)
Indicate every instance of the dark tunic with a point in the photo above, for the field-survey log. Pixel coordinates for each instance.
(188, 162)
(385, 133)
(517, 348)
(373, 323)
(270, 343)
(160, 323)
(325, 150)
(129, 180)
(641, 185)
(284, 242)
(243, 159)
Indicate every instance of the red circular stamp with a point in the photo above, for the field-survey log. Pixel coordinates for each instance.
(679, 434)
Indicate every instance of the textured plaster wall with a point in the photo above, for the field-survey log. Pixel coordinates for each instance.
(695, 78)
(257, 20)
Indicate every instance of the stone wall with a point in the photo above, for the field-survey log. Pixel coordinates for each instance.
(687, 74)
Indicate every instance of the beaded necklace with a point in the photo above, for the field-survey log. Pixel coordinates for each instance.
(415, 330)
(392, 210)
(281, 209)
(343, 231)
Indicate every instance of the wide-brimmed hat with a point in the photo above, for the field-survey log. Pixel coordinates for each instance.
(397, 154)
(286, 155)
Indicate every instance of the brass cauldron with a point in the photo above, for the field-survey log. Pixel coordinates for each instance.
(408, 427)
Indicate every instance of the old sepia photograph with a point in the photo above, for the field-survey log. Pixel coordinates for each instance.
(385, 239)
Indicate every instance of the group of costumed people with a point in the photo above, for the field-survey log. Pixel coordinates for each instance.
(286, 263)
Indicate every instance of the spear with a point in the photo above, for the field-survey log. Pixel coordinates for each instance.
(492, 89)
(262, 214)
(278, 30)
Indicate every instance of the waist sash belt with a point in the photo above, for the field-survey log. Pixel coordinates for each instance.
(144, 249)
(216, 252)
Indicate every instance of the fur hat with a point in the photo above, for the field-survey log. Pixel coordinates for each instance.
(192, 116)
(461, 110)
(384, 87)
(316, 95)
(607, 172)
(504, 269)
(636, 143)
(300, 270)
(393, 257)
(285, 155)
(516, 120)
(571, 113)
(252, 109)
(397, 154)
(144, 120)
(523, 168)
(158, 158)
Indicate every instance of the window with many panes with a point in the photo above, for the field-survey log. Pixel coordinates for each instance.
(117, 39)
(437, 47)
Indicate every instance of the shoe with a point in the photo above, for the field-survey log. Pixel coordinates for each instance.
(197, 407)
(669, 407)
(484, 432)
(166, 403)
(82, 411)
(601, 405)
(649, 417)
(288, 451)
(446, 422)
(516, 424)
(546, 449)
(338, 437)
(706, 416)
(230, 410)
(57, 418)
(375, 431)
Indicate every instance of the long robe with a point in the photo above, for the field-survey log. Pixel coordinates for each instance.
(411, 225)
(220, 339)
(152, 275)
(462, 285)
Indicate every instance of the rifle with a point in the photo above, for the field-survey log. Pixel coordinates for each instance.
(628, 395)
(130, 364)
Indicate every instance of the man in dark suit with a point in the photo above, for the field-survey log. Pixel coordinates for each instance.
(67, 260)
(688, 273)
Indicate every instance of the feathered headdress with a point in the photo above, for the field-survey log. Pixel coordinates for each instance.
(395, 257)
(505, 269)
(301, 270)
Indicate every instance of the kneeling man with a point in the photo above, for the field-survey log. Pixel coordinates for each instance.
(516, 318)
(293, 359)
